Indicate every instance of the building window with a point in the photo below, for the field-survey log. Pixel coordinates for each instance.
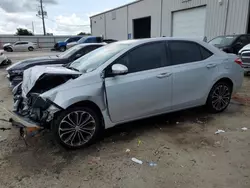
(113, 15)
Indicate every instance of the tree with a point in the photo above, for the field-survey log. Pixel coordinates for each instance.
(83, 33)
(21, 31)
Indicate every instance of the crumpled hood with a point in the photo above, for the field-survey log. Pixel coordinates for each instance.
(22, 64)
(32, 75)
(7, 44)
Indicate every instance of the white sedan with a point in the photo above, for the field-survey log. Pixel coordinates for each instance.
(20, 46)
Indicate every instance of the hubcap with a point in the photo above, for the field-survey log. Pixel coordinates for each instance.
(221, 97)
(77, 128)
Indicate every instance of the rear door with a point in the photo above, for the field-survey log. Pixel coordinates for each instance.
(193, 72)
(146, 89)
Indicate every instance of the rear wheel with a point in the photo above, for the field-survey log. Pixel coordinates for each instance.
(31, 48)
(62, 49)
(219, 97)
(77, 127)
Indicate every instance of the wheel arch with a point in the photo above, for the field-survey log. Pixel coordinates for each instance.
(89, 104)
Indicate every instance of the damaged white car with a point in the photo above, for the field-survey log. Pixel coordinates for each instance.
(122, 82)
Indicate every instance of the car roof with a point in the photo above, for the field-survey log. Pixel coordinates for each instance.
(141, 41)
(91, 44)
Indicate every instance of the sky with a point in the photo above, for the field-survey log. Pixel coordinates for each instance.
(65, 17)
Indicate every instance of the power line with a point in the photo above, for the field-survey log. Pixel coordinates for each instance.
(86, 25)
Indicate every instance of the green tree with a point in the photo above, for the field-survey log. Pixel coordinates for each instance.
(83, 33)
(21, 31)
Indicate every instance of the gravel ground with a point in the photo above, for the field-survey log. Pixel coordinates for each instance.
(183, 145)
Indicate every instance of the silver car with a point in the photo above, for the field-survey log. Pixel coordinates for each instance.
(123, 82)
(20, 46)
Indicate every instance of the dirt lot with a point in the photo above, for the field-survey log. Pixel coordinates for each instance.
(183, 145)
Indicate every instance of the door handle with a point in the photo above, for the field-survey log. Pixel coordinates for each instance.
(163, 75)
(211, 66)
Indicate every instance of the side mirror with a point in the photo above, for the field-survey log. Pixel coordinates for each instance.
(119, 69)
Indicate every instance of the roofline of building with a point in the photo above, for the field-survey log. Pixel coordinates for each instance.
(137, 1)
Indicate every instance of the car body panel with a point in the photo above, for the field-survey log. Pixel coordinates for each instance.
(151, 93)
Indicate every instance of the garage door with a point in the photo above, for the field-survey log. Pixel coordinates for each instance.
(189, 23)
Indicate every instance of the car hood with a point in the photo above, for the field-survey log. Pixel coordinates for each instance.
(247, 47)
(7, 44)
(33, 61)
(32, 75)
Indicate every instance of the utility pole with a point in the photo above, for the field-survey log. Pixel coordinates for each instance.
(42, 13)
(33, 30)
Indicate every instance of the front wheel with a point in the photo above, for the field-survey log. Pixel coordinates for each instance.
(31, 49)
(77, 127)
(219, 97)
(62, 49)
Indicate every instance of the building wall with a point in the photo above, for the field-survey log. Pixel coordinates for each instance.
(98, 25)
(117, 19)
(146, 8)
(230, 17)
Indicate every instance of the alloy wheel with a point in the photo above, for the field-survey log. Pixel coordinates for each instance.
(77, 128)
(221, 97)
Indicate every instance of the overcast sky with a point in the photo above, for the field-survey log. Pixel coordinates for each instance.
(64, 16)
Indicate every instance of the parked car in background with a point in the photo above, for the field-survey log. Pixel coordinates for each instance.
(231, 43)
(244, 54)
(86, 39)
(123, 82)
(62, 45)
(20, 46)
(15, 71)
(3, 59)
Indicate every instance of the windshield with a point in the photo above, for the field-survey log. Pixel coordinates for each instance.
(222, 41)
(82, 40)
(69, 52)
(96, 58)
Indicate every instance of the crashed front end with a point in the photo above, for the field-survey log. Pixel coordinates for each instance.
(32, 110)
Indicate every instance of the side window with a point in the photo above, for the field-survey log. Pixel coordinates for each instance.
(244, 40)
(91, 40)
(146, 57)
(205, 53)
(70, 40)
(184, 52)
(98, 39)
(90, 49)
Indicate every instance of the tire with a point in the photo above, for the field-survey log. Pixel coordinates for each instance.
(9, 49)
(219, 97)
(30, 48)
(62, 49)
(65, 129)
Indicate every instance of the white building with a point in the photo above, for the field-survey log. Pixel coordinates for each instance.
(190, 18)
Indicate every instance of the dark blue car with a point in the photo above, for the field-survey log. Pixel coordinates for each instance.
(62, 45)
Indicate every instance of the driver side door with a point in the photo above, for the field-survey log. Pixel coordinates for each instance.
(146, 89)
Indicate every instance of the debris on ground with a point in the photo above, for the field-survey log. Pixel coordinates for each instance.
(127, 150)
(94, 160)
(244, 129)
(219, 131)
(152, 164)
(139, 142)
(136, 160)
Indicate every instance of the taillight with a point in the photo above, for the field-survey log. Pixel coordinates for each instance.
(238, 61)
